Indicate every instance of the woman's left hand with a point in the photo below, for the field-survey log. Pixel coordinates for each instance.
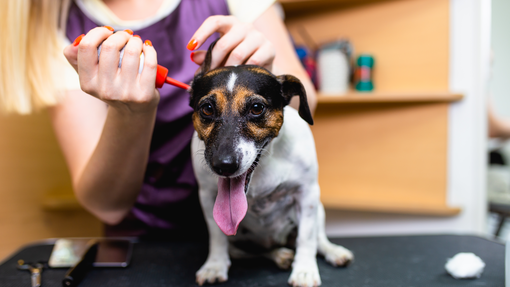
(240, 43)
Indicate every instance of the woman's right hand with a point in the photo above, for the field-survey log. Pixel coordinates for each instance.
(122, 88)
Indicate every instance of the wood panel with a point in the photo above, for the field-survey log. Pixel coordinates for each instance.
(408, 38)
(296, 8)
(383, 157)
(32, 166)
(389, 97)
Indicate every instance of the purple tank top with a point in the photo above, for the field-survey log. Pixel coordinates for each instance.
(168, 205)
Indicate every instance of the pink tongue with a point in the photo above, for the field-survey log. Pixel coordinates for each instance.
(231, 204)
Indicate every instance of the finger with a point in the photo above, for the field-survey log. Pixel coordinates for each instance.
(110, 56)
(263, 57)
(226, 44)
(198, 57)
(245, 49)
(131, 60)
(221, 24)
(71, 52)
(150, 63)
(87, 52)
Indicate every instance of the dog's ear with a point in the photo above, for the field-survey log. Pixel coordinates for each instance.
(291, 86)
(204, 68)
(206, 65)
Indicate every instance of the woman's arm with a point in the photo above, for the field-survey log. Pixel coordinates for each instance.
(286, 60)
(107, 148)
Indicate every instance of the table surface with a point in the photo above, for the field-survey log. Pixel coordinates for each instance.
(394, 261)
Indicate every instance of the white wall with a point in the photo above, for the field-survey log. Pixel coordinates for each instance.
(469, 55)
(500, 79)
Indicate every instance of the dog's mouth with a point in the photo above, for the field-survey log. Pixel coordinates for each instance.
(231, 204)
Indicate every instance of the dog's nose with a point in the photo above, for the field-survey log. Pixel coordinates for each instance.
(225, 166)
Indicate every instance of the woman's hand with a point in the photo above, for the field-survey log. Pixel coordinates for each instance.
(123, 89)
(240, 43)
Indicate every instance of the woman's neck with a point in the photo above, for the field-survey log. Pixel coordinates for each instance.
(129, 10)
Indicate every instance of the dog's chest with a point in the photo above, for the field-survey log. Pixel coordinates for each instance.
(271, 216)
(272, 213)
(271, 206)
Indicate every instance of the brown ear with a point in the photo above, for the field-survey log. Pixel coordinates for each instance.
(291, 86)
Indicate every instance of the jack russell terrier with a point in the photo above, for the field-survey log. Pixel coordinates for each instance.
(258, 174)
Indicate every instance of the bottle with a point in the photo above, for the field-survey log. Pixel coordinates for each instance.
(364, 73)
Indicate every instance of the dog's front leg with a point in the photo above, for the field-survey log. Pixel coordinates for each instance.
(304, 269)
(217, 264)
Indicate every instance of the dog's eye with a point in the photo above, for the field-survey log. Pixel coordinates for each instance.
(257, 109)
(207, 110)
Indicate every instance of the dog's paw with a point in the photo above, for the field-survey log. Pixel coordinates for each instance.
(283, 257)
(305, 275)
(212, 271)
(337, 255)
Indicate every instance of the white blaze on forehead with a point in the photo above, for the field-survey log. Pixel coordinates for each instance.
(231, 82)
(249, 154)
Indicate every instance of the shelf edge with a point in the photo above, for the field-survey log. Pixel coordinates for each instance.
(362, 98)
(439, 211)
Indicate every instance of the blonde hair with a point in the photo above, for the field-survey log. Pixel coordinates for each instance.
(29, 54)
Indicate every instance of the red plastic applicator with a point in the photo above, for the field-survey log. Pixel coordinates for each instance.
(162, 78)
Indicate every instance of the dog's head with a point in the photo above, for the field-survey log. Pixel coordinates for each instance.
(237, 112)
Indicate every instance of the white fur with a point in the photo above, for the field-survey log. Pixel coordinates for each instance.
(289, 159)
(231, 82)
(249, 152)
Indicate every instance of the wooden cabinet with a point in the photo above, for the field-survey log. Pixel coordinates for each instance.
(384, 151)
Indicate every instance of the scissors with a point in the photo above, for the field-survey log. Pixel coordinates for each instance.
(35, 271)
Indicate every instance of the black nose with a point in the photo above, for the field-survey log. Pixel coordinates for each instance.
(226, 165)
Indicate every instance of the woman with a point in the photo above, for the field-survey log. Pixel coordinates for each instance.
(125, 142)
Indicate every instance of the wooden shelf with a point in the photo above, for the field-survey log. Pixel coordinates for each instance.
(391, 207)
(298, 7)
(387, 97)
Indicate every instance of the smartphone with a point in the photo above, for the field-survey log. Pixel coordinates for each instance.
(111, 252)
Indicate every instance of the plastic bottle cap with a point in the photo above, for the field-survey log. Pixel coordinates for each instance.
(161, 75)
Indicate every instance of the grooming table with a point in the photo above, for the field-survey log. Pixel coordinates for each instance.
(379, 261)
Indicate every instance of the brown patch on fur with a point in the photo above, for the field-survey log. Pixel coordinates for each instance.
(239, 100)
(221, 100)
(241, 97)
(270, 127)
(203, 130)
(259, 70)
(214, 72)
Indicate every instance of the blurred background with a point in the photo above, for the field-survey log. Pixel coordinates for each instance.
(498, 175)
(400, 128)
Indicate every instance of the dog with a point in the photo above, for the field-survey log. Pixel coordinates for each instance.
(257, 173)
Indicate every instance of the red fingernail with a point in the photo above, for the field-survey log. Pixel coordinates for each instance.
(137, 36)
(192, 44)
(191, 56)
(78, 40)
(129, 31)
(109, 28)
(148, 42)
